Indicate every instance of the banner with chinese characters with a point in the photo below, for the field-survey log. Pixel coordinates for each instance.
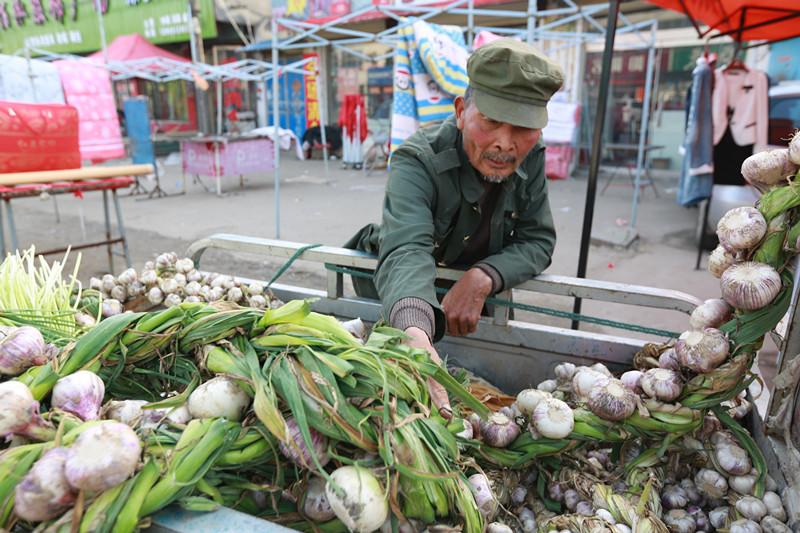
(312, 103)
(71, 26)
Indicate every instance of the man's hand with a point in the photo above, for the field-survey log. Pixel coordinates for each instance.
(419, 339)
(463, 303)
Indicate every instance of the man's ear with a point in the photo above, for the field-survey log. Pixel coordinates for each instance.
(460, 106)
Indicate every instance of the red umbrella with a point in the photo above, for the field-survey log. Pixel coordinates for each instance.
(742, 20)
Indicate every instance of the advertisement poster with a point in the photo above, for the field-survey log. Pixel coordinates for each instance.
(71, 26)
(292, 104)
(312, 103)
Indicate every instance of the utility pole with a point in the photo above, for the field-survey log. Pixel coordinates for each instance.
(198, 56)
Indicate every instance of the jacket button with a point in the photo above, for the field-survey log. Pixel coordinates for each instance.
(466, 238)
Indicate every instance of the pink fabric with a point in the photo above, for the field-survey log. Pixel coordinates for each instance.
(134, 46)
(88, 89)
(557, 160)
(484, 37)
(746, 93)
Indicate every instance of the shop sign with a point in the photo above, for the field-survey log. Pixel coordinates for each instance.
(312, 103)
(71, 26)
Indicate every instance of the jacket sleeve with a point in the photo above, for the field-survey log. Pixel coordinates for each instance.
(530, 249)
(406, 267)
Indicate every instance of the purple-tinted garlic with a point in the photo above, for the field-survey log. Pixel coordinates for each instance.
(741, 228)
(103, 456)
(44, 493)
(20, 413)
(750, 286)
(295, 447)
(632, 380)
(499, 430)
(20, 349)
(710, 314)
(80, 393)
(669, 359)
(702, 351)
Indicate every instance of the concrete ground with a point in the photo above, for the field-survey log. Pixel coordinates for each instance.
(328, 207)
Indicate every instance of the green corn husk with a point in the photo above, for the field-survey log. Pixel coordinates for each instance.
(793, 238)
(770, 251)
(721, 384)
(779, 200)
(749, 328)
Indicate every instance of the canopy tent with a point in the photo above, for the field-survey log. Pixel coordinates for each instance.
(134, 47)
(741, 20)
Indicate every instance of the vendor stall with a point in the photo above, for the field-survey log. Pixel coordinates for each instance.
(221, 156)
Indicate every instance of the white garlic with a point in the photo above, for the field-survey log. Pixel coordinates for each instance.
(669, 359)
(632, 379)
(168, 285)
(548, 385)
(194, 275)
(605, 515)
(155, 296)
(180, 279)
(136, 289)
(768, 168)
(719, 516)
(528, 399)
(744, 526)
(674, 497)
(192, 288)
(770, 524)
(111, 307)
(255, 288)
(219, 281)
(679, 521)
(611, 400)
(711, 483)
(553, 419)
(215, 294)
(184, 265)
(149, 265)
(600, 367)
(172, 300)
(258, 301)
(741, 228)
(119, 293)
(751, 507)
(774, 505)
(564, 372)
(149, 277)
(702, 350)
(95, 284)
(662, 384)
(749, 286)
(235, 294)
(108, 283)
(742, 484)
(127, 277)
(719, 261)
(710, 314)
(733, 459)
(193, 299)
(584, 381)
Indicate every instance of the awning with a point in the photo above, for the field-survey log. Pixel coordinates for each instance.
(742, 20)
(135, 47)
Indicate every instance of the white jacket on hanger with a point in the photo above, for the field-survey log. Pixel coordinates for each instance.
(746, 93)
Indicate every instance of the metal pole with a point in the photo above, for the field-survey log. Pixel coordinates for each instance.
(276, 124)
(322, 134)
(597, 138)
(102, 27)
(470, 24)
(196, 48)
(219, 107)
(644, 126)
(532, 19)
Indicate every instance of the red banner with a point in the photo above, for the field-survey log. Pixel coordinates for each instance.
(312, 103)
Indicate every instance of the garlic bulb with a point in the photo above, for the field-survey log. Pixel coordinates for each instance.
(662, 384)
(711, 483)
(194, 275)
(774, 505)
(192, 288)
(44, 493)
(584, 381)
(149, 277)
(733, 459)
(315, 502)
(21, 413)
(184, 265)
(258, 301)
(103, 456)
(770, 524)
(298, 452)
(357, 498)
(180, 279)
(172, 300)
(611, 400)
(605, 515)
(168, 285)
(632, 380)
(528, 399)
(601, 368)
(485, 498)
(718, 516)
(235, 294)
(674, 497)
(111, 307)
(794, 148)
(499, 430)
(710, 314)
(498, 527)
(571, 499)
(155, 296)
(80, 393)
(215, 294)
(750, 285)
(743, 484)
(584, 508)
(119, 293)
(108, 283)
(669, 359)
(752, 508)
(219, 396)
(719, 261)
(255, 288)
(136, 289)
(702, 350)
(96, 284)
(126, 411)
(127, 277)
(679, 521)
(768, 168)
(565, 372)
(741, 228)
(744, 526)
(553, 419)
(700, 518)
(166, 261)
(20, 349)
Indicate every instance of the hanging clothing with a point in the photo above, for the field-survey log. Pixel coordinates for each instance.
(740, 101)
(728, 159)
(696, 179)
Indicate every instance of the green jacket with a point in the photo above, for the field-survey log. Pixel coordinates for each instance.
(431, 209)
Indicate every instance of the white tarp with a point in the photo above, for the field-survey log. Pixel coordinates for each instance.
(33, 82)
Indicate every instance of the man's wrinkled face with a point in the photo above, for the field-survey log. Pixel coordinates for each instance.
(494, 148)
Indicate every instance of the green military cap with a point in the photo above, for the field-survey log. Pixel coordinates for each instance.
(512, 82)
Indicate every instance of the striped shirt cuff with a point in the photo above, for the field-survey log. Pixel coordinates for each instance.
(497, 279)
(413, 312)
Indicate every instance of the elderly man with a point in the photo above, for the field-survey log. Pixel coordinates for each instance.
(470, 193)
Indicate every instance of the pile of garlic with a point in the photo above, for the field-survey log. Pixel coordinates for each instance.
(169, 281)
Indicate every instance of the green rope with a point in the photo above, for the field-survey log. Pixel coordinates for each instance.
(289, 262)
(534, 308)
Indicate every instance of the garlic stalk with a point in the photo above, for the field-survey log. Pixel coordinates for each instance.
(103, 456)
(80, 393)
(741, 228)
(662, 384)
(20, 349)
(750, 286)
(751, 507)
(702, 351)
(611, 400)
(719, 261)
(710, 314)
(499, 430)
(553, 419)
(44, 493)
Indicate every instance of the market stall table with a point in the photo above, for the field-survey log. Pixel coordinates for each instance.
(76, 181)
(218, 156)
